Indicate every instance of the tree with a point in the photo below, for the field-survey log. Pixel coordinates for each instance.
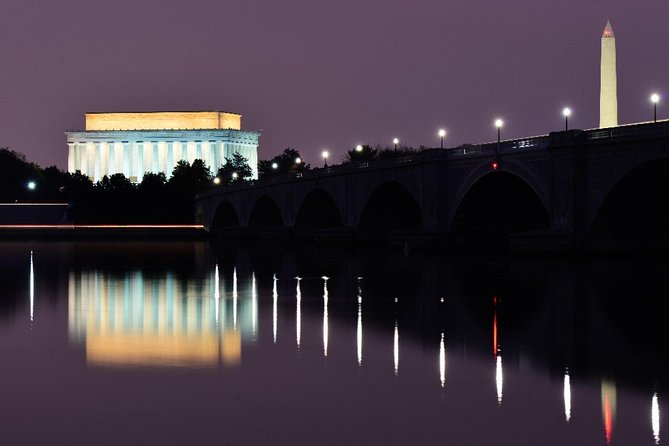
(366, 153)
(235, 169)
(285, 162)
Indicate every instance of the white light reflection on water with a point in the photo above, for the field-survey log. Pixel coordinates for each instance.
(298, 312)
(567, 395)
(275, 301)
(234, 297)
(655, 418)
(325, 316)
(217, 293)
(254, 304)
(396, 348)
(32, 289)
(359, 328)
(499, 378)
(442, 361)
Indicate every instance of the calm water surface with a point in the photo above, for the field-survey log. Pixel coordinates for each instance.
(192, 343)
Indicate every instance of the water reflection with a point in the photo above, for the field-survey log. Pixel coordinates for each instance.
(298, 311)
(32, 289)
(609, 406)
(275, 308)
(567, 395)
(135, 319)
(442, 361)
(396, 348)
(326, 327)
(655, 418)
(358, 337)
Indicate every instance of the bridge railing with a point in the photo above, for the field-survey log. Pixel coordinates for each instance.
(645, 129)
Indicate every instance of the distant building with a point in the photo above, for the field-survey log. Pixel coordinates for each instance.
(136, 143)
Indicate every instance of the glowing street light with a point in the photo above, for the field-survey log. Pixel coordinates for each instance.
(217, 181)
(298, 160)
(32, 185)
(325, 156)
(275, 166)
(235, 175)
(442, 133)
(566, 113)
(358, 148)
(655, 98)
(396, 141)
(499, 124)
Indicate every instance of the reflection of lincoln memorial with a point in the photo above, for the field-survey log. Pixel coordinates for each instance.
(159, 319)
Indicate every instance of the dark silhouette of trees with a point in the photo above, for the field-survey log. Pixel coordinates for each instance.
(285, 163)
(366, 154)
(234, 170)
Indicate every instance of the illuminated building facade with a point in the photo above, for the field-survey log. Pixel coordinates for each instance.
(136, 143)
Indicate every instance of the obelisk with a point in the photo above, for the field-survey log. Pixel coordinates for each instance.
(608, 93)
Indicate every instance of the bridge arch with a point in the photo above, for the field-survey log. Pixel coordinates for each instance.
(318, 210)
(225, 217)
(500, 202)
(636, 204)
(390, 207)
(265, 214)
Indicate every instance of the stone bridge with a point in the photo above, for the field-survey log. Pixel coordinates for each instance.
(566, 187)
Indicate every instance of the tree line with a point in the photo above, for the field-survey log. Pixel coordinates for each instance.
(157, 199)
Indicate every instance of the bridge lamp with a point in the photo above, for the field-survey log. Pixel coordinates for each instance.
(298, 160)
(442, 134)
(566, 113)
(275, 166)
(358, 148)
(494, 165)
(396, 141)
(31, 185)
(217, 181)
(235, 175)
(325, 156)
(655, 98)
(499, 124)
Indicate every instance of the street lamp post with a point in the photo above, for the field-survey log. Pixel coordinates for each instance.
(31, 185)
(358, 148)
(235, 175)
(566, 113)
(655, 98)
(499, 124)
(442, 133)
(325, 155)
(396, 142)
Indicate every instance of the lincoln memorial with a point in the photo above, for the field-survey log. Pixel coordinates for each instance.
(140, 142)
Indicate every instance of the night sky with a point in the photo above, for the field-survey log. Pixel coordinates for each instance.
(325, 74)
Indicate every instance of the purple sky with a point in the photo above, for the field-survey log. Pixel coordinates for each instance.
(324, 74)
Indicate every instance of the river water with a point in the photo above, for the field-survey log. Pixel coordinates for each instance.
(195, 343)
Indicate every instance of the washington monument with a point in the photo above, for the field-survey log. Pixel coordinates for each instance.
(608, 95)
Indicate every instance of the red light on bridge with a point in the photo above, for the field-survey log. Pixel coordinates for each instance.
(494, 165)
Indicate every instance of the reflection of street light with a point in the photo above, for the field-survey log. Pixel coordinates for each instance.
(31, 185)
(235, 175)
(217, 181)
(396, 142)
(275, 166)
(655, 98)
(499, 124)
(442, 133)
(358, 148)
(325, 155)
(566, 113)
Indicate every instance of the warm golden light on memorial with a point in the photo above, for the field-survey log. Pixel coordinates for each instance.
(136, 143)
